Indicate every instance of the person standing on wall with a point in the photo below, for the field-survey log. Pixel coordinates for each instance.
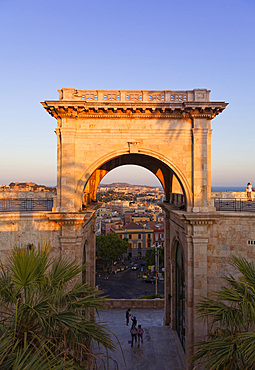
(249, 190)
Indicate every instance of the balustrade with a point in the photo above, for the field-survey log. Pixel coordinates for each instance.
(234, 205)
(144, 96)
(25, 205)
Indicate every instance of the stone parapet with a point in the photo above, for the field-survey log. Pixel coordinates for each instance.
(143, 104)
(134, 303)
(135, 95)
(16, 194)
(229, 194)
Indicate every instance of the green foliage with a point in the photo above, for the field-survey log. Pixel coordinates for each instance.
(111, 246)
(45, 313)
(152, 296)
(150, 256)
(231, 316)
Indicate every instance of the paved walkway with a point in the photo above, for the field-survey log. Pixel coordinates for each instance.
(161, 349)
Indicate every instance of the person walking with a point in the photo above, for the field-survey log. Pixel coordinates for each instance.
(134, 333)
(133, 318)
(249, 190)
(140, 332)
(128, 314)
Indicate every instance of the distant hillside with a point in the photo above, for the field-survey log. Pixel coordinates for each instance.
(126, 185)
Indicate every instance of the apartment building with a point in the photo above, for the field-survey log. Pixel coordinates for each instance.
(140, 238)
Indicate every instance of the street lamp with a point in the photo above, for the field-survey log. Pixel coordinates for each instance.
(156, 266)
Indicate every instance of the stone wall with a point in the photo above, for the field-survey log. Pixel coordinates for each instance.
(231, 233)
(231, 194)
(207, 240)
(23, 228)
(135, 303)
(70, 235)
(17, 194)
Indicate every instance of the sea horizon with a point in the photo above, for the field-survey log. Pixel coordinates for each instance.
(215, 189)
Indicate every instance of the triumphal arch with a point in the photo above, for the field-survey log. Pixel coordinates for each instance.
(167, 132)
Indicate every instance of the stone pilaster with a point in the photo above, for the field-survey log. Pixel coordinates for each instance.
(189, 297)
(67, 170)
(201, 165)
(199, 283)
(59, 156)
(168, 274)
(89, 251)
(196, 273)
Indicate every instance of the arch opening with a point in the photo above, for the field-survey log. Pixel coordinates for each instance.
(176, 192)
(140, 221)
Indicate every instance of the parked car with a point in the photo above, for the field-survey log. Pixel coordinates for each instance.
(149, 279)
(134, 267)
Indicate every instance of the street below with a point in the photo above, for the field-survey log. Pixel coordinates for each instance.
(126, 285)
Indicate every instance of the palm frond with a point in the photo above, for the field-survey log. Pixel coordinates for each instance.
(46, 313)
(231, 313)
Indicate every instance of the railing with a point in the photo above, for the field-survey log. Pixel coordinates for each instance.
(135, 96)
(25, 205)
(234, 205)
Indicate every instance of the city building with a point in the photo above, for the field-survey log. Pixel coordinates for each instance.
(158, 232)
(140, 238)
(141, 217)
(108, 223)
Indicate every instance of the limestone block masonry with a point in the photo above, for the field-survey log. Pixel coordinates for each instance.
(207, 240)
(70, 235)
(167, 132)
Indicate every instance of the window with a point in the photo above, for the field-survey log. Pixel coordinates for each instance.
(130, 246)
(120, 236)
(251, 242)
(149, 236)
(139, 236)
(129, 236)
(156, 236)
(139, 245)
(148, 244)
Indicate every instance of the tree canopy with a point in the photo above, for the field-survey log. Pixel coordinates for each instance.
(111, 246)
(150, 256)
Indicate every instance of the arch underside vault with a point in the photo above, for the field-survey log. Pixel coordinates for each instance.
(164, 173)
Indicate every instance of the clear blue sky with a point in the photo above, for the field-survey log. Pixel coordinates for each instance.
(119, 44)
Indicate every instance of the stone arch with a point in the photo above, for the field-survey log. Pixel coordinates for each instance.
(174, 127)
(165, 162)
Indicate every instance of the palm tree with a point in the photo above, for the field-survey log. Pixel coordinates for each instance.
(45, 313)
(230, 314)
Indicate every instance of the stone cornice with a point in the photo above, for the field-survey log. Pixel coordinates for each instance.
(68, 218)
(154, 111)
(133, 104)
(200, 218)
(192, 218)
